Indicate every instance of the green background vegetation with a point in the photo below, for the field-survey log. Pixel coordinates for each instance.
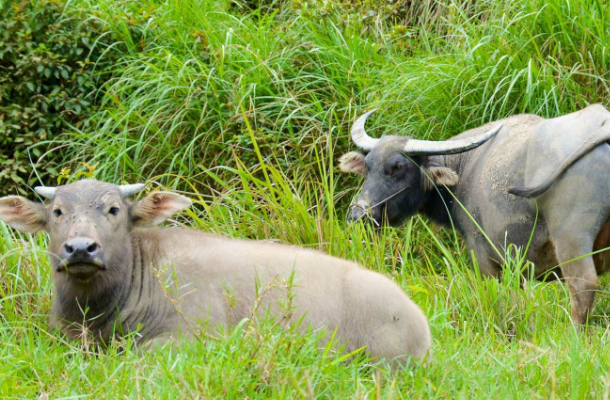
(246, 106)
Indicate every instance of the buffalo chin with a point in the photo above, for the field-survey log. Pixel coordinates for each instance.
(83, 272)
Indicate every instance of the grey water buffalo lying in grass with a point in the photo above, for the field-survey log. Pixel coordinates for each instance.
(505, 176)
(109, 259)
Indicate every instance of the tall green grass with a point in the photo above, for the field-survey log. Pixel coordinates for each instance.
(246, 110)
(175, 102)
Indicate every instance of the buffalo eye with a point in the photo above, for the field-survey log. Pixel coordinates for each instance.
(57, 212)
(395, 168)
(113, 211)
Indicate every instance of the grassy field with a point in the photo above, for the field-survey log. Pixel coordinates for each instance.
(246, 106)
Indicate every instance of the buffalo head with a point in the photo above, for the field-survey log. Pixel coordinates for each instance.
(400, 172)
(89, 223)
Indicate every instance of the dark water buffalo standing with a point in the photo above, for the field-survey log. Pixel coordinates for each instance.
(499, 173)
(108, 259)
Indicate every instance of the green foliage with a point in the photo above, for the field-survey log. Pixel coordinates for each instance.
(51, 67)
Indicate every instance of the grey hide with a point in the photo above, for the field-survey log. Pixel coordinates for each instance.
(175, 282)
(557, 167)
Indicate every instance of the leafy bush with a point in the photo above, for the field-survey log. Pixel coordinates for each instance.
(51, 66)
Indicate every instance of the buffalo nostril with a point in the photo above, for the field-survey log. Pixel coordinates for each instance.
(81, 246)
(92, 248)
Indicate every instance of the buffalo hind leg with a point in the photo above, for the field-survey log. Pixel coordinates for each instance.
(581, 277)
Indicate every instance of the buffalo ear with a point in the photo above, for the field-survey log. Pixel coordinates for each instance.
(438, 176)
(157, 207)
(23, 214)
(353, 162)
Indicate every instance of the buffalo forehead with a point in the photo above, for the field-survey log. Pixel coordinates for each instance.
(88, 191)
(387, 148)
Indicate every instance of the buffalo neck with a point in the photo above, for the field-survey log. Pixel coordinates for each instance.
(439, 204)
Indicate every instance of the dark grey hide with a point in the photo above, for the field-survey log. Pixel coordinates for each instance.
(558, 168)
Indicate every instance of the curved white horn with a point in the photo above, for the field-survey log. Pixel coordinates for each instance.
(48, 192)
(130, 190)
(359, 135)
(416, 147)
